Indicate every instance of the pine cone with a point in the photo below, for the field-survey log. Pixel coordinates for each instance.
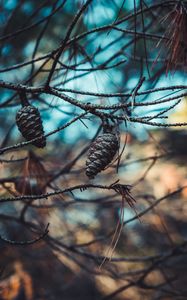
(101, 153)
(30, 125)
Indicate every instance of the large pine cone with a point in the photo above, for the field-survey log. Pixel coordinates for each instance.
(101, 153)
(30, 125)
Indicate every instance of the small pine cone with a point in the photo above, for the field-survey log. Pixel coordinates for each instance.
(101, 153)
(30, 125)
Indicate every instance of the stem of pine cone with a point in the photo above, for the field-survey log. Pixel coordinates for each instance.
(23, 98)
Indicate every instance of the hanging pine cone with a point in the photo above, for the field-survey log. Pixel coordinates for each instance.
(101, 153)
(30, 125)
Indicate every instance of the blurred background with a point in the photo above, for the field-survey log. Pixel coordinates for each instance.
(128, 58)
